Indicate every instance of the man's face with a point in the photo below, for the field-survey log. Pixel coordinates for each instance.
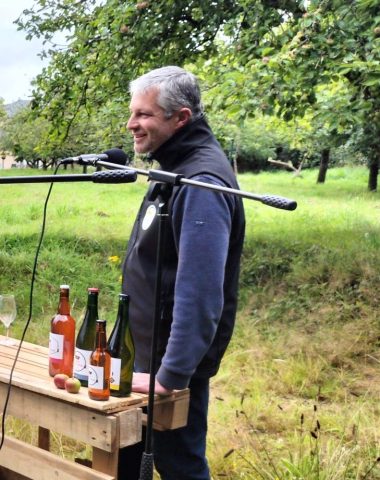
(148, 124)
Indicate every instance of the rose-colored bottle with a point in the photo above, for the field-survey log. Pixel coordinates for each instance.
(99, 370)
(62, 337)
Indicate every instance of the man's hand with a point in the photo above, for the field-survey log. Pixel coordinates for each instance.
(140, 384)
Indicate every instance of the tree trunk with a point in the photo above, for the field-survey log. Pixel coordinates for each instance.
(235, 166)
(373, 172)
(323, 166)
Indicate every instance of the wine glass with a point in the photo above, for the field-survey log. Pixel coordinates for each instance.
(8, 313)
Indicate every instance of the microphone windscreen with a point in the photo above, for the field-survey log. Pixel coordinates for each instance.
(116, 155)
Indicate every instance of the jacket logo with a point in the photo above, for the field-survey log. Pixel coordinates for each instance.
(149, 217)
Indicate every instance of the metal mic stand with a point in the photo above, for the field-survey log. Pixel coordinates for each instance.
(163, 192)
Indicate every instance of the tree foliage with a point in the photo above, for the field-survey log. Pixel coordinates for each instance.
(277, 57)
(332, 41)
(110, 42)
(34, 139)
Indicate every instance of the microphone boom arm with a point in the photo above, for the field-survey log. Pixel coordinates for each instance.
(275, 201)
(125, 174)
(112, 176)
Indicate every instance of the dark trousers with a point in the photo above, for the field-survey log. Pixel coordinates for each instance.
(179, 454)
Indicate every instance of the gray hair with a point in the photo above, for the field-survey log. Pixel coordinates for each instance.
(176, 87)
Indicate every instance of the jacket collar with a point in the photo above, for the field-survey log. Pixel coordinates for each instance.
(183, 142)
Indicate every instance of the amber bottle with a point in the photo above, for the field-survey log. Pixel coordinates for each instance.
(99, 369)
(62, 337)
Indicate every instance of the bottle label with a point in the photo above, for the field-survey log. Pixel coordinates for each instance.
(115, 373)
(56, 346)
(81, 363)
(95, 377)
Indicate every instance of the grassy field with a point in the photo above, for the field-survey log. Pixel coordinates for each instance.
(297, 396)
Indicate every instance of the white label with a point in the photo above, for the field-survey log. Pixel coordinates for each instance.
(149, 217)
(81, 362)
(96, 377)
(115, 373)
(56, 346)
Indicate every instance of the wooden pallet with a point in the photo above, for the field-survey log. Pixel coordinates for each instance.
(106, 426)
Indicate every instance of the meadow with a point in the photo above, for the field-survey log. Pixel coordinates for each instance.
(297, 396)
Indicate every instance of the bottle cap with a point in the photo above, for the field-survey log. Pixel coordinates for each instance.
(65, 286)
(93, 289)
(99, 320)
(123, 295)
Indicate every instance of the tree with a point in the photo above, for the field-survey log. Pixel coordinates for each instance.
(33, 139)
(109, 44)
(330, 41)
(272, 55)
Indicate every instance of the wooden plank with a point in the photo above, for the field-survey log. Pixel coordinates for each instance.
(38, 464)
(29, 347)
(130, 427)
(22, 367)
(69, 419)
(172, 415)
(105, 462)
(93, 428)
(31, 373)
(169, 415)
(45, 386)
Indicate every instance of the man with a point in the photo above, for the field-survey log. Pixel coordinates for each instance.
(200, 267)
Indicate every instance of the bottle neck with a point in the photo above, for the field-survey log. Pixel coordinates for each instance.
(92, 303)
(101, 337)
(64, 303)
(123, 314)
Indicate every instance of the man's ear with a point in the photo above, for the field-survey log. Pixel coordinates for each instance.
(184, 116)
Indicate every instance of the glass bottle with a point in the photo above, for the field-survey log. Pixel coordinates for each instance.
(85, 342)
(122, 351)
(62, 337)
(99, 368)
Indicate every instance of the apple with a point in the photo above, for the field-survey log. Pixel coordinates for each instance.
(72, 385)
(60, 379)
(124, 29)
(142, 5)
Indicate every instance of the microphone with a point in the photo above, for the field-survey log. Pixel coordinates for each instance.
(114, 155)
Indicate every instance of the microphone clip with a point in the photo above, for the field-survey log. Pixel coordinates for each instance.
(87, 159)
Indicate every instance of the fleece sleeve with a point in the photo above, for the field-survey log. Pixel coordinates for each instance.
(202, 224)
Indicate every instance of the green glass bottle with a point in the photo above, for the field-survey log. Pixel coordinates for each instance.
(85, 341)
(122, 350)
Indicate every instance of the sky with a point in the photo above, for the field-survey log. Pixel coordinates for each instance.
(19, 62)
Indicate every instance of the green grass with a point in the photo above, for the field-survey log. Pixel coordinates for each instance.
(297, 393)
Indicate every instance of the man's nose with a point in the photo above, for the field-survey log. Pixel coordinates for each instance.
(132, 123)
